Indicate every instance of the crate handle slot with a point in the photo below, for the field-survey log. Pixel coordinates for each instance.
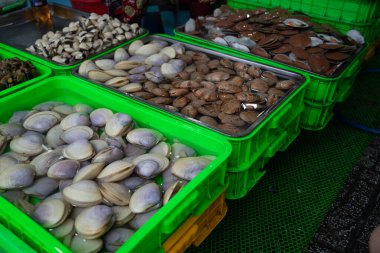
(172, 221)
(275, 122)
(276, 145)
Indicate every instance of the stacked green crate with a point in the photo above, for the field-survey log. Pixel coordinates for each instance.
(193, 199)
(10, 243)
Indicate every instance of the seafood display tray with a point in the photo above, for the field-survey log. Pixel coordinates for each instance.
(43, 72)
(247, 145)
(10, 243)
(241, 181)
(18, 30)
(197, 228)
(349, 11)
(320, 89)
(191, 200)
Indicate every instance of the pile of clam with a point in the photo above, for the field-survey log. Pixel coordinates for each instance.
(83, 38)
(279, 35)
(226, 95)
(93, 170)
(15, 71)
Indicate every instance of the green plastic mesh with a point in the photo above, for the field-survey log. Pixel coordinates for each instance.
(283, 211)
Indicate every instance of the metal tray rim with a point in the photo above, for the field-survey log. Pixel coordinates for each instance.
(301, 80)
(339, 71)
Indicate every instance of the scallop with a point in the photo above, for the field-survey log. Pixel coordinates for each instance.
(84, 193)
(150, 165)
(146, 198)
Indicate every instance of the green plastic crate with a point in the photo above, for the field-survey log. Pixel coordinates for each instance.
(191, 200)
(243, 180)
(10, 243)
(246, 149)
(11, 7)
(320, 90)
(315, 116)
(348, 11)
(63, 70)
(43, 72)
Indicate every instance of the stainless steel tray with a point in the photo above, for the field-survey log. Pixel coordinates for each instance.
(19, 30)
(340, 69)
(213, 55)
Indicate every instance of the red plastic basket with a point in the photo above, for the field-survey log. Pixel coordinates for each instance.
(90, 6)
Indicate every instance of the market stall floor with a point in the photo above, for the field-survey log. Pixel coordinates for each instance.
(284, 210)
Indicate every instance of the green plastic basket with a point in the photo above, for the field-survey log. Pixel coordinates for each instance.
(247, 148)
(315, 116)
(43, 72)
(347, 11)
(9, 243)
(191, 200)
(11, 7)
(64, 70)
(243, 180)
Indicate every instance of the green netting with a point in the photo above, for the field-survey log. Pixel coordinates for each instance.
(283, 211)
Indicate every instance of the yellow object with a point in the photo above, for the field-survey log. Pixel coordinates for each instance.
(196, 228)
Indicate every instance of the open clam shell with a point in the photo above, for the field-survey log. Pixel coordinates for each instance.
(150, 165)
(146, 198)
(84, 193)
